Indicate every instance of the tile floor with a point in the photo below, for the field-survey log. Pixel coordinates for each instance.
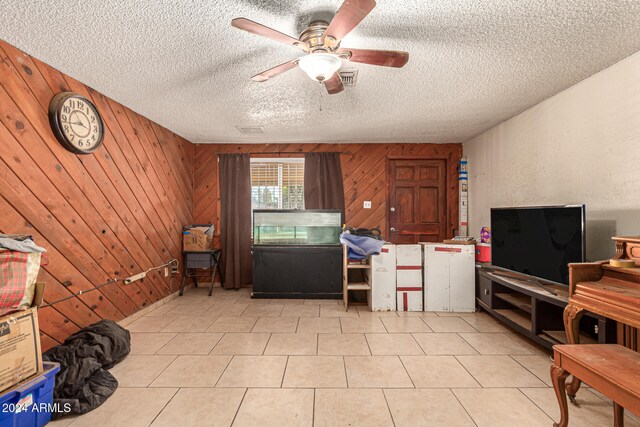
(230, 360)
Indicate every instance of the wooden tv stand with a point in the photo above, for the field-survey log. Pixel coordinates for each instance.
(535, 312)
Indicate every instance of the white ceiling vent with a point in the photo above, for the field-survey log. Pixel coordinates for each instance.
(349, 77)
(251, 130)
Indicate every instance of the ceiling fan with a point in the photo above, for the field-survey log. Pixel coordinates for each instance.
(321, 43)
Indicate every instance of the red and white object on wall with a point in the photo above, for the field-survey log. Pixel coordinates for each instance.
(449, 277)
(409, 277)
(382, 296)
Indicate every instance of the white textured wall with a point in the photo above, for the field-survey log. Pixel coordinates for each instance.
(580, 146)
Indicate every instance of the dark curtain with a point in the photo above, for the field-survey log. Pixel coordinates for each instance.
(323, 188)
(235, 218)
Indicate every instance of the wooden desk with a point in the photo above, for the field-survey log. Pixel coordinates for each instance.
(611, 369)
(193, 260)
(608, 291)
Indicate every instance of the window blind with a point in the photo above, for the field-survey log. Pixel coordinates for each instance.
(277, 183)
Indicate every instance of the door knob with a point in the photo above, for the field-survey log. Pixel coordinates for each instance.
(393, 229)
(393, 209)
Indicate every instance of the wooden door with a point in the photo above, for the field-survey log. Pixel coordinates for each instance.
(417, 201)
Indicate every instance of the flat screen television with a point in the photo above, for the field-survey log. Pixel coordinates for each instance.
(538, 241)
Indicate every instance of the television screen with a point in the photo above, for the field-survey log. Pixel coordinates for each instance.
(538, 241)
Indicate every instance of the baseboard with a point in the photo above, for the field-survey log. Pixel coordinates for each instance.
(148, 309)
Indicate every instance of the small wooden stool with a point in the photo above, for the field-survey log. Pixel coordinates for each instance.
(611, 369)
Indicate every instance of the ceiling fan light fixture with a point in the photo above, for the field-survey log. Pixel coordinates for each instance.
(320, 66)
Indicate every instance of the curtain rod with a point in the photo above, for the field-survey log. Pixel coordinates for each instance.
(290, 152)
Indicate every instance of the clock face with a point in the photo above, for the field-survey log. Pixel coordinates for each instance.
(76, 123)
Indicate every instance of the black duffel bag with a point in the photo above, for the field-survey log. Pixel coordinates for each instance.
(374, 233)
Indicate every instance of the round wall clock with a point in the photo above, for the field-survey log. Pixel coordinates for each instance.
(76, 123)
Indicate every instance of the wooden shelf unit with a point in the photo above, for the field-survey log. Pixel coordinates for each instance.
(534, 312)
(362, 268)
(523, 302)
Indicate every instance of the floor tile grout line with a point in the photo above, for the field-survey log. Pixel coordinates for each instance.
(532, 373)
(535, 404)
(224, 370)
(266, 345)
(426, 324)
(383, 325)
(165, 405)
(424, 353)
(175, 358)
(465, 320)
(246, 390)
(344, 365)
(313, 413)
(224, 334)
(407, 372)
(284, 373)
(388, 406)
(455, 356)
(368, 346)
(455, 396)
(469, 344)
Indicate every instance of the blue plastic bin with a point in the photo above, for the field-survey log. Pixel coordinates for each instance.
(35, 396)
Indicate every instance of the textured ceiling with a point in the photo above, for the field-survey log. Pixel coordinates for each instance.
(473, 63)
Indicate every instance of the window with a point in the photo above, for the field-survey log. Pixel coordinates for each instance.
(277, 183)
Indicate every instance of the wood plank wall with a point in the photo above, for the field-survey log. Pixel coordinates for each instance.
(105, 215)
(364, 169)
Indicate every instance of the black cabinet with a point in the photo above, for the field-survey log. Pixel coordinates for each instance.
(534, 312)
(297, 271)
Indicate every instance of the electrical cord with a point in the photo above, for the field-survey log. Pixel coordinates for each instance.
(174, 270)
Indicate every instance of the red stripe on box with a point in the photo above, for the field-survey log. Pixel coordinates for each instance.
(384, 251)
(464, 223)
(404, 300)
(438, 249)
(407, 288)
(409, 267)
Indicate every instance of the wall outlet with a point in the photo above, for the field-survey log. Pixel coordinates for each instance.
(367, 204)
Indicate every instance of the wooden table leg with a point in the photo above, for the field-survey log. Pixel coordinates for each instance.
(618, 415)
(572, 315)
(558, 378)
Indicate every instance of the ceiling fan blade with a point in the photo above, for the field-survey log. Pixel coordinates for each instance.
(346, 19)
(275, 71)
(334, 84)
(385, 58)
(261, 30)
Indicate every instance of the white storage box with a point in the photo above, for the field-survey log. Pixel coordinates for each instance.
(382, 296)
(409, 300)
(449, 277)
(409, 277)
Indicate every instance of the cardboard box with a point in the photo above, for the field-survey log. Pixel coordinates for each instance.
(20, 352)
(195, 238)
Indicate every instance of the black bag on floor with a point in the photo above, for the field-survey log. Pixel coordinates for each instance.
(83, 382)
